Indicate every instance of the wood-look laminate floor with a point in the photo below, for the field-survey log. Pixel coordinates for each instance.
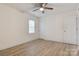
(41, 48)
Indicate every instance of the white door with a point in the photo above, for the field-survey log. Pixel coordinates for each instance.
(69, 28)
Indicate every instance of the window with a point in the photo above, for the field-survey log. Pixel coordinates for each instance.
(31, 26)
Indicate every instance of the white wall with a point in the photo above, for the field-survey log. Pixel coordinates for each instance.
(14, 27)
(77, 13)
(52, 27)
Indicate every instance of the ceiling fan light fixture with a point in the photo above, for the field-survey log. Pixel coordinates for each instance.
(41, 9)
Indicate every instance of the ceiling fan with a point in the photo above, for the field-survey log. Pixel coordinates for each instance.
(42, 7)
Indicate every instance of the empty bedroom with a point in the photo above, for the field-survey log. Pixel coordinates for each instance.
(39, 29)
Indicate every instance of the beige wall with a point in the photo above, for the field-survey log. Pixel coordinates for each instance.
(14, 27)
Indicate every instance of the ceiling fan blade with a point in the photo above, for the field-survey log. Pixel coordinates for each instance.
(35, 9)
(48, 8)
(44, 4)
(41, 4)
